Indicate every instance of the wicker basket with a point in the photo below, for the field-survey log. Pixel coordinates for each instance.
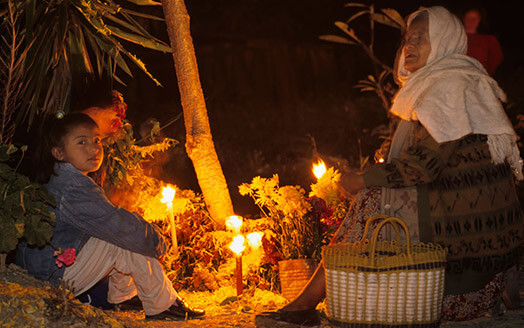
(384, 283)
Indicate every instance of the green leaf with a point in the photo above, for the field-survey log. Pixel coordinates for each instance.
(355, 16)
(123, 65)
(383, 19)
(337, 39)
(364, 88)
(125, 24)
(11, 149)
(145, 2)
(366, 82)
(119, 80)
(36, 232)
(20, 228)
(138, 14)
(137, 39)
(155, 130)
(3, 154)
(141, 65)
(396, 17)
(355, 4)
(345, 28)
(78, 53)
(8, 235)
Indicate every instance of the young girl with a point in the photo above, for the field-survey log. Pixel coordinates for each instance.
(109, 240)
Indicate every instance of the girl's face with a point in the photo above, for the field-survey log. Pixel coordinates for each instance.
(82, 148)
(417, 46)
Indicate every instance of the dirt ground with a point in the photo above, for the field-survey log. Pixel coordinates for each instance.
(28, 302)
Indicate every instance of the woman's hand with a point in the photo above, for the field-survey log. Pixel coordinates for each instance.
(350, 183)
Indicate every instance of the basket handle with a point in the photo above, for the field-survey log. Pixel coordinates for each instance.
(391, 220)
(374, 218)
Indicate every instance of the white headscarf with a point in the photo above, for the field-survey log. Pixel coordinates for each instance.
(452, 95)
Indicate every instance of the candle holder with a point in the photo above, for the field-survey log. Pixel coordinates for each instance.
(234, 223)
(168, 194)
(238, 274)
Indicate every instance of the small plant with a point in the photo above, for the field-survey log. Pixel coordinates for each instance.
(24, 211)
(380, 81)
(294, 234)
(389, 17)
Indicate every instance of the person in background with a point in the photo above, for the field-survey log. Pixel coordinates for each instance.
(481, 46)
(450, 172)
(109, 241)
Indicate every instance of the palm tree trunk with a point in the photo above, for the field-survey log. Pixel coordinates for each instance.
(199, 141)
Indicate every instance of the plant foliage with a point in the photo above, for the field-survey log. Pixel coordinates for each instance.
(11, 60)
(24, 208)
(68, 38)
(389, 17)
(296, 235)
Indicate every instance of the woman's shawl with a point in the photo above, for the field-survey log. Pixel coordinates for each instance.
(452, 95)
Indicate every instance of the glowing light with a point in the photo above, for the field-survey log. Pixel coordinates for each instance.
(168, 194)
(319, 169)
(237, 246)
(254, 240)
(234, 223)
(381, 160)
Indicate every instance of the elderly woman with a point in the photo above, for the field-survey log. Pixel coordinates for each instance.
(449, 172)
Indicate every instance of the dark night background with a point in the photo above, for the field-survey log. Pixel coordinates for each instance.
(272, 86)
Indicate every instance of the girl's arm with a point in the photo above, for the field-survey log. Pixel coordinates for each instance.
(87, 208)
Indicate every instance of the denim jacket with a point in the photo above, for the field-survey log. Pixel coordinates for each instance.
(82, 212)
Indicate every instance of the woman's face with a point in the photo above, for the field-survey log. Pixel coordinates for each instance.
(417, 45)
(471, 21)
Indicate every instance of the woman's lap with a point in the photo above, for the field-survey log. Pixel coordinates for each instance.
(455, 307)
(365, 204)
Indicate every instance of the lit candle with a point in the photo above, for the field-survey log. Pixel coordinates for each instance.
(319, 169)
(254, 239)
(168, 194)
(237, 246)
(234, 223)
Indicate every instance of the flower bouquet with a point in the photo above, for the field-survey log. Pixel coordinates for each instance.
(297, 226)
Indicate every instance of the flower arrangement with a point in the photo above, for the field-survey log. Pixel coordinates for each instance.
(298, 226)
(326, 187)
(291, 233)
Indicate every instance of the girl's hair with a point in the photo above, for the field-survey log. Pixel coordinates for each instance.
(53, 132)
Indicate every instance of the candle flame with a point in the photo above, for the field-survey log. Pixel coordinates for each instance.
(237, 246)
(234, 223)
(168, 194)
(254, 240)
(381, 160)
(319, 169)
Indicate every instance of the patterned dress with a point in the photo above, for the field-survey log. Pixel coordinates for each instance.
(465, 203)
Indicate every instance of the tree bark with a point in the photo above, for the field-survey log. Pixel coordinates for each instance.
(199, 141)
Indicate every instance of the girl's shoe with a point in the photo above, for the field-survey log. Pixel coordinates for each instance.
(178, 311)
